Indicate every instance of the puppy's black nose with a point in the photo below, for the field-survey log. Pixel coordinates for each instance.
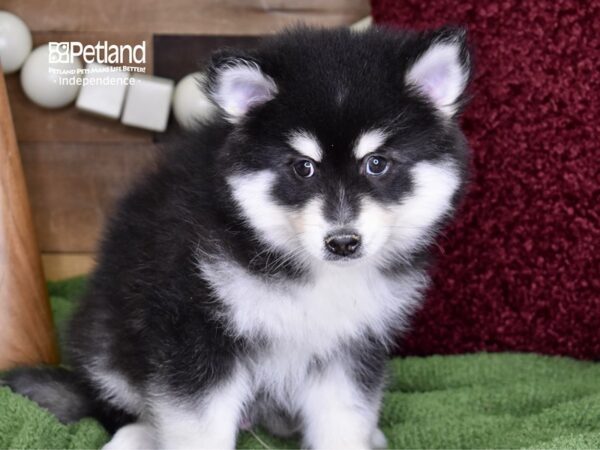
(342, 244)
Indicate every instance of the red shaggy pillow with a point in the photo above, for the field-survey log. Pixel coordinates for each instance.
(519, 270)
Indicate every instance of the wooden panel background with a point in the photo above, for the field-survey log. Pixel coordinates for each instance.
(184, 16)
(76, 165)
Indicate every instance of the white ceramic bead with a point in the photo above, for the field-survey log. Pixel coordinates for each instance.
(106, 94)
(15, 42)
(191, 106)
(148, 102)
(363, 24)
(45, 87)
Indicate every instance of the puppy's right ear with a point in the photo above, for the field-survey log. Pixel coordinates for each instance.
(236, 84)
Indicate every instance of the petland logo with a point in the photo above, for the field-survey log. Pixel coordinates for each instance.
(102, 52)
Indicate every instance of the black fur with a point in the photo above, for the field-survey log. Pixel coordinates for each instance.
(66, 395)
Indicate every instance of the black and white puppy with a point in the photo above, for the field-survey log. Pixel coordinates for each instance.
(259, 275)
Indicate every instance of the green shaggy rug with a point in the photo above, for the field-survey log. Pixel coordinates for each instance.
(468, 401)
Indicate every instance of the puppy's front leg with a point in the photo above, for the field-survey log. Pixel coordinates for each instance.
(211, 422)
(337, 413)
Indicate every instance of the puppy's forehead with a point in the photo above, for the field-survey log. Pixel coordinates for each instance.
(307, 143)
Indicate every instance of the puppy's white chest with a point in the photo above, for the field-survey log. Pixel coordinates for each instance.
(316, 316)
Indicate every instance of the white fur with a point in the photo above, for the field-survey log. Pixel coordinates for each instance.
(240, 86)
(374, 223)
(309, 319)
(405, 227)
(431, 199)
(253, 193)
(136, 436)
(315, 317)
(306, 144)
(378, 439)
(439, 74)
(310, 226)
(312, 319)
(337, 415)
(207, 423)
(301, 231)
(211, 423)
(115, 388)
(368, 142)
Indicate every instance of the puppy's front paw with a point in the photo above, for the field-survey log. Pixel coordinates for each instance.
(378, 440)
(136, 436)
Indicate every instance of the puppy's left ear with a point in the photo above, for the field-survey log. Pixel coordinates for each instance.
(441, 71)
(236, 83)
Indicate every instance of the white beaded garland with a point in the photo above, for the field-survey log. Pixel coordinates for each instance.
(191, 106)
(46, 87)
(15, 42)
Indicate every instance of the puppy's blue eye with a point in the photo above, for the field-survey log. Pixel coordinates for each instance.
(304, 168)
(376, 165)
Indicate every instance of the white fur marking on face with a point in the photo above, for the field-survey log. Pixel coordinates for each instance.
(374, 224)
(306, 144)
(435, 183)
(240, 86)
(311, 227)
(368, 143)
(281, 227)
(252, 192)
(440, 75)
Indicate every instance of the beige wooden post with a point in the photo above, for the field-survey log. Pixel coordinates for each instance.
(26, 331)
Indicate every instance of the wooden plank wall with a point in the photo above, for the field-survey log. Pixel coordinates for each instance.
(77, 165)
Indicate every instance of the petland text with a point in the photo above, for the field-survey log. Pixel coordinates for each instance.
(102, 52)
